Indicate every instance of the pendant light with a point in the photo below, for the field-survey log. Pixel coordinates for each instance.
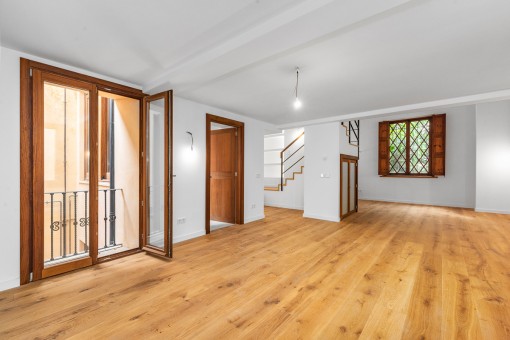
(297, 102)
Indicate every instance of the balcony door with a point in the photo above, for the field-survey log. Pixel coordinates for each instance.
(157, 221)
(65, 174)
(96, 163)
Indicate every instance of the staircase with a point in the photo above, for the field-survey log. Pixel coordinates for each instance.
(278, 188)
(352, 132)
(289, 159)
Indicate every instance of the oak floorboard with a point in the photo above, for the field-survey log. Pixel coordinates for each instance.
(390, 271)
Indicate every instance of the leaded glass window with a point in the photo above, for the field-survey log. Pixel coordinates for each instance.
(398, 142)
(419, 162)
(409, 147)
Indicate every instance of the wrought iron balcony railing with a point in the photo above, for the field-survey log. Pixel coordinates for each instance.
(68, 228)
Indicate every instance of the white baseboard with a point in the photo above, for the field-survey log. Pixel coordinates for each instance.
(8, 284)
(284, 206)
(325, 218)
(182, 238)
(439, 204)
(253, 219)
(493, 211)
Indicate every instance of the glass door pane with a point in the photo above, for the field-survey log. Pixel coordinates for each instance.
(157, 228)
(118, 168)
(66, 158)
(345, 188)
(156, 166)
(352, 186)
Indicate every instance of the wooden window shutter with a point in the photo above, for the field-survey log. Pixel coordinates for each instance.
(438, 145)
(384, 145)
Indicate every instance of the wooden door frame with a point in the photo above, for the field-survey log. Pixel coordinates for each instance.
(39, 78)
(349, 160)
(26, 147)
(239, 187)
(168, 180)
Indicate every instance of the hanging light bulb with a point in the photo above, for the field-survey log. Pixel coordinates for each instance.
(297, 102)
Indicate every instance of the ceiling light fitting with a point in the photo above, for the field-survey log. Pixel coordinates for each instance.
(297, 102)
(191, 135)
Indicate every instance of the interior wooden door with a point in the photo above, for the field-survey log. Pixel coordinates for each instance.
(348, 185)
(64, 174)
(157, 174)
(223, 175)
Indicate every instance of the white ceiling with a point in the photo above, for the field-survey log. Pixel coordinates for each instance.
(240, 55)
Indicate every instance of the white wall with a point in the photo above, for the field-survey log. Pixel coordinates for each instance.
(322, 156)
(292, 196)
(456, 189)
(290, 134)
(189, 185)
(493, 157)
(9, 173)
(189, 167)
(273, 144)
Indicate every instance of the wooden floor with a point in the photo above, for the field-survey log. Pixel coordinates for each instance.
(390, 271)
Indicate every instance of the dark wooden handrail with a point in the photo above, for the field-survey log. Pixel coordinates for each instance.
(288, 146)
(282, 158)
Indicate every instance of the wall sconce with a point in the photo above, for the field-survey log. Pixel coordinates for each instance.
(191, 135)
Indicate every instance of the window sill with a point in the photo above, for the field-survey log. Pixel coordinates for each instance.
(410, 176)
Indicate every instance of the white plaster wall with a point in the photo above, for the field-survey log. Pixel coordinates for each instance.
(9, 172)
(292, 196)
(493, 157)
(322, 156)
(456, 189)
(189, 167)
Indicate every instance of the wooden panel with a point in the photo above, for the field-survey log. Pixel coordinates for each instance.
(66, 267)
(223, 168)
(438, 145)
(104, 85)
(26, 171)
(239, 201)
(384, 157)
(38, 175)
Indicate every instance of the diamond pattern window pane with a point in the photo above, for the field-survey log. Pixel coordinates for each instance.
(419, 162)
(398, 148)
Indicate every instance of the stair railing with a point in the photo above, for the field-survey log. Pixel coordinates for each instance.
(352, 132)
(284, 158)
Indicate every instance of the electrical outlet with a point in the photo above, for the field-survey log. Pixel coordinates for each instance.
(253, 206)
(181, 220)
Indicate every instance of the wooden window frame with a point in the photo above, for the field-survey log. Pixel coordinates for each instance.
(104, 118)
(27, 158)
(384, 155)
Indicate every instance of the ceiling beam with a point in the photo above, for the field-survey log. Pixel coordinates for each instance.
(270, 39)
